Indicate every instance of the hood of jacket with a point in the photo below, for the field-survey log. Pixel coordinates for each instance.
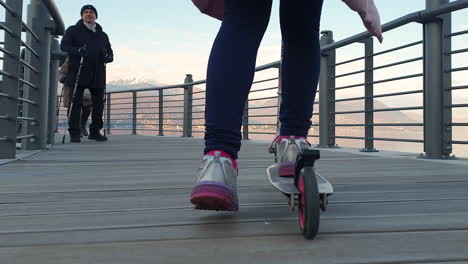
(80, 23)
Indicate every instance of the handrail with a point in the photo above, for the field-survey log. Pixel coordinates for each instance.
(158, 87)
(55, 14)
(2, 3)
(419, 16)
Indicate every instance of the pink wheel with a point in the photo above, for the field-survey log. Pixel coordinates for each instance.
(309, 202)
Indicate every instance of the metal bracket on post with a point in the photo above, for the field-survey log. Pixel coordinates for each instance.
(245, 121)
(10, 84)
(54, 66)
(280, 99)
(161, 112)
(369, 94)
(134, 114)
(327, 93)
(447, 86)
(278, 110)
(188, 103)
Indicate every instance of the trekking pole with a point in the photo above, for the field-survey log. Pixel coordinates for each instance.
(70, 105)
(105, 96)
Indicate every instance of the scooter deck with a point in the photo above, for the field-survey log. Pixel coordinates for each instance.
(286, 184)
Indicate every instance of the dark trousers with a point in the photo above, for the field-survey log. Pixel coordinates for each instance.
(231, 68)
(74, 123)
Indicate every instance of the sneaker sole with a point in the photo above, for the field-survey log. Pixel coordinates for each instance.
(213, 196)
(95, 139)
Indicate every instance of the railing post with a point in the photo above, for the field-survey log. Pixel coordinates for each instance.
(134, 114)
(10, 84)
(188, 96)
(369, 94)
(45, 30)
(245, 121)
(327, 93)
(40, 22)
(108, 112)
(54, 65)
(161, 112)
(434, 126)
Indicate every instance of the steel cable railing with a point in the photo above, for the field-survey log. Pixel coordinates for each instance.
(451, 105)
(179, 109)
(26, 48)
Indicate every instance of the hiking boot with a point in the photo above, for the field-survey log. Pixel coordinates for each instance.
(75, 138)
(97, 136)
(286, 150)
(216, 183)
(84, 132)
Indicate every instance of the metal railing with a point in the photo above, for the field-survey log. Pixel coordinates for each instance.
(179, 109)
(29, 84)
(436, 74)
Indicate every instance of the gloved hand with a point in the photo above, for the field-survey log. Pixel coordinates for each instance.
(83, 52)
(107, 57)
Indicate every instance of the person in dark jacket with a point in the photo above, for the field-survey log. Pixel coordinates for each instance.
(86, 39)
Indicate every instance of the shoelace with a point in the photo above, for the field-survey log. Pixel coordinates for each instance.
(272, 148)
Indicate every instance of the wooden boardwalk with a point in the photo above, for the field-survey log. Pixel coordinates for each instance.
(126, 201)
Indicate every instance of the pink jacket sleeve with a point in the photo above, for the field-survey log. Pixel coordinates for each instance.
(369, 15)
(213, 8)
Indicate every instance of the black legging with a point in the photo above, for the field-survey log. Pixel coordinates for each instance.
(231, 68)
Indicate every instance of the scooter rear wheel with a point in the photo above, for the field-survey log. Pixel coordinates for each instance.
(309, 202)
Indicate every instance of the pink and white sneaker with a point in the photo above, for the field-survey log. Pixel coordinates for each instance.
(216, 183)
(286, 150)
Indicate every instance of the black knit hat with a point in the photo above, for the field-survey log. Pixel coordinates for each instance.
(88, 7)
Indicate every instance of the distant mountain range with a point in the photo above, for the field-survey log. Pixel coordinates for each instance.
(134, 83)
(381, 117)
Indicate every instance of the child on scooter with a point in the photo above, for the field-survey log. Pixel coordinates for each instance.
(231, 69)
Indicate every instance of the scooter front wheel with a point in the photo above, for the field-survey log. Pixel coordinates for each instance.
(309, 202)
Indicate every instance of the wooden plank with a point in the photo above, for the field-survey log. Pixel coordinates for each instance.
(50, 203)
(182, 215)
(85, 202)
(413, 247)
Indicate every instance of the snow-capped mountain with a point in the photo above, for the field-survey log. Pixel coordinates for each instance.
(133, 83)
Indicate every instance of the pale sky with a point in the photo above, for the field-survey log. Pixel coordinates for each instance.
(162, 41)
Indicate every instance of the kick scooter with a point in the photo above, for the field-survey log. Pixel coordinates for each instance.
(307, 190)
